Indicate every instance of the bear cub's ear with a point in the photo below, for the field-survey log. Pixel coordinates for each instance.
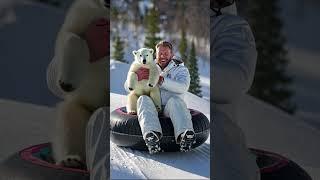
(134, 52)
(151, 51)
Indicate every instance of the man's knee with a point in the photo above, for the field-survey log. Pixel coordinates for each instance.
(144, 100)
(175, 100)
(98, 118)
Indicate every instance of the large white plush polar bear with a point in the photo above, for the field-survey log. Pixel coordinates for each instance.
(79, 76)
(143, 58)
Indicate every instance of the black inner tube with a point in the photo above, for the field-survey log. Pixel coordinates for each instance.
(125, 130)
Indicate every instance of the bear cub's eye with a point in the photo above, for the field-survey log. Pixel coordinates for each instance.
(140, 55)
(147, 54)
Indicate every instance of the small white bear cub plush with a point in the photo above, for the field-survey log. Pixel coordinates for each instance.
(143, 58)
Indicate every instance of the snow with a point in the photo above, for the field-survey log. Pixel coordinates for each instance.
(270, 129)
(302, 34)
(304, 67)
(27, 47)
(130, 164)
(23, 125)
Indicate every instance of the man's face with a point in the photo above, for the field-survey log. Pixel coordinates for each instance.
(163, 56)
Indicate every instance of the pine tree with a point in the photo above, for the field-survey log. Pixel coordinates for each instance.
(152, 27)
(271, 83)
(118, 53)
(195, 87)
(183, 46)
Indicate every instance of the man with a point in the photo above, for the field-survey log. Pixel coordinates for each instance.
(174, 82)
(233, 56)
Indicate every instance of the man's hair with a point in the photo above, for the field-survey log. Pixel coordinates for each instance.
(165, 44)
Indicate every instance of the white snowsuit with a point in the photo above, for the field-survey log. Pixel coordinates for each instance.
(233, 57)
(176, 83)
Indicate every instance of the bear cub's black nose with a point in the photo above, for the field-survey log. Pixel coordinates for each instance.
(144, 61)
(66, 87)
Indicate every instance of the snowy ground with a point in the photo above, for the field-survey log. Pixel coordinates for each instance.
(23, 125)
(302, 34)
(26, 48)
(268, 128)
(304, 67)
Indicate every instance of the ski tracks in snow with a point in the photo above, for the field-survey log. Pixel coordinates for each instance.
(122, 166)
(132, 164)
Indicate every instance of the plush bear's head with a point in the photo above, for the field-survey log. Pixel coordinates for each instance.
(143, 55)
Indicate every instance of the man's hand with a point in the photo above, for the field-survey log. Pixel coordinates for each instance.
(160, 80)
(142, 73)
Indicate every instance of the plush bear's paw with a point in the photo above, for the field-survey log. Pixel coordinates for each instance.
(66, 86)
(158, 108)
(130, 88)
(150, 85)
(73, 161)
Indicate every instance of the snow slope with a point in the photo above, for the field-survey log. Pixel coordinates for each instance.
(269, 128)
(23, 125)
(304, 67)
(130, 164)
(26, 48)
(302, 34)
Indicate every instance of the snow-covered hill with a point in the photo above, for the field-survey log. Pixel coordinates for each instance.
(26, 48)
(269, 128)
(302, 34)
(23, 125)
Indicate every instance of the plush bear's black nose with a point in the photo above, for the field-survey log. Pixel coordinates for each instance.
(144, 61)
(66, 87)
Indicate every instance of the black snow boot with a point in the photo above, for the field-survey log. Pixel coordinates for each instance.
(152, 141)
(186, 140)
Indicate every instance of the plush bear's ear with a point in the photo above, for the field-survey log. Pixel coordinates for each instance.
(134, 52)
(151, 51)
